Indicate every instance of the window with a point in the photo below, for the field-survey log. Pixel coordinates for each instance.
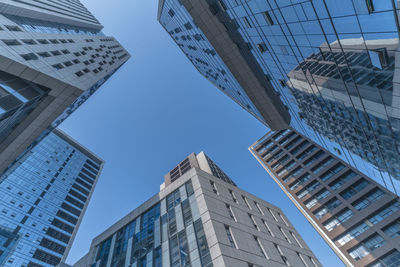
(390, 259)
(358, 252)
(58, 66)
(322, 165)
(245, 201)
(259, 208)
(295, 238)
(213, 187)
(188, 26)
(283, 257)
(329, 206)
(332, 171)
(254, 222)
(13, 28)
(11, 42)
(55, 53)
(233, 196)
(270, 211)
(370, 6)
(29, 42)
(307, 152)
(338, 183)
(30, 56)
(384, 213)
(351, 234)
(262, 47)
(354, 189)
(230, 211)
(43, 41)
(366, 247)
(44, 54)
(268, 18)
(368, 199)
(283, 219)
(284, 235)
(379, 58)
(338, 219)
(171, 13)
(393, 230)
(310, 188)
(246, 22)
(314, 158)
(232, 242)
(260, 247)
(267, 227)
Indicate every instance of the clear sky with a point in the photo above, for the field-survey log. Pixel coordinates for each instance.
(151, 114)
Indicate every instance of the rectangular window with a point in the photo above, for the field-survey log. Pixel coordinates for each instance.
(338, 219)
(283, 257)
(268, 18)
(384, 213)
(267, 227)
(370, 5)
(260, 247)
(214, 188)
(30, 56)
(232, 242)
(259, 208)
(283, 219)
(295, 238)
(354, 189)
(262, 47)
(368, 199)
(270, 211)
(245, 201)
(254, 222)
(352, 233)
(390, 259)
(11, 42)
(284, 235)
(393, 230)
(230, 212)
(246, 22)
(233, 196)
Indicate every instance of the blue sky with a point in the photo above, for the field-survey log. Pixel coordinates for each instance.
(151, 114)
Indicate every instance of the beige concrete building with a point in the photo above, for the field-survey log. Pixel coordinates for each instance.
(201, 218)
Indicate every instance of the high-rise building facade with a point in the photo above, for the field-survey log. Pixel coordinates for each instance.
(200, 218)
(44, 196)
(332, 65)
(357, 217)
(53, 56)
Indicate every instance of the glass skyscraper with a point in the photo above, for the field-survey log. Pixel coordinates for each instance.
(358, 218)
(53, 57)
(43, 198)
(200, 218)
(332, 64)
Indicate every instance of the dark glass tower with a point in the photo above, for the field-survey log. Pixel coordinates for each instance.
(43, 198)
(332, 65)
(357, 217)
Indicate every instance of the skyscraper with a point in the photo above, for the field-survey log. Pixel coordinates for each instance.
(200, 218)
(357, 217)
(53, 56)
(43, 199)
(333, 66)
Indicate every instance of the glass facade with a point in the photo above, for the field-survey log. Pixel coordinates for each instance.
(17, 98)
(170, 233)
(334, 67)
(354, 214)
(41, 26)
(43, 198)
